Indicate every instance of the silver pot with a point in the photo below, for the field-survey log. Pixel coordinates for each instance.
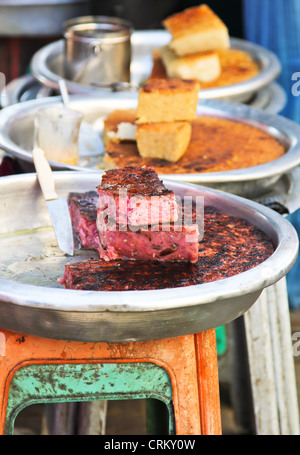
(38, 17)
(97, 49)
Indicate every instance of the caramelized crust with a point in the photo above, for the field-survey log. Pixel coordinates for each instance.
(216, 144)
(196, 29)
(137, 180)
(162, 100)
(236, 66)
(170, 87)
(192, 20)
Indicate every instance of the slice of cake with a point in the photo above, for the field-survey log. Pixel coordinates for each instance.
(204, 67)
(135, 196)
(173, 242)
(196, 29)
(167, 140)
(167, 100)
(138, 219)
(83, 212)
(99, 275)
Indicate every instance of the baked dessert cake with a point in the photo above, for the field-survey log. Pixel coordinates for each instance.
(217, 144)
(135, 196)
(196, 29)
(113, 239)
(204, 66)
(138, 219)
(162, 100)
(165, 140)
(164, 242)
(236, 66)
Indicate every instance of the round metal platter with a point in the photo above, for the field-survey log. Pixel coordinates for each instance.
(271, 99)
(32, 302)
(47, 66)
(16, 138)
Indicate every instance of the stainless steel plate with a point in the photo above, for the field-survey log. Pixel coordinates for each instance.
(271, 99)
(38, 18)
(32, 302)
(16, 133)
(47, 66)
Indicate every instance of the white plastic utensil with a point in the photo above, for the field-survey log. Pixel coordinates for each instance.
(90, 142)
(57, 206)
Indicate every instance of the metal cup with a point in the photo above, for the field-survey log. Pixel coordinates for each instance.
(97, 50)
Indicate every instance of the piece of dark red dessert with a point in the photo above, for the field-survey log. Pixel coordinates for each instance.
(99, 275)
(138, 219)
(230, 246)
(173, 242)
(83, 212)
(136, 196)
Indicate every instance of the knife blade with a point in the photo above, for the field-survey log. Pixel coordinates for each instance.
(57, 207)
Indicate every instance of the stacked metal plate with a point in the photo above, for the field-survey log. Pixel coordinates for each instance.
(17, 124)
(256, 101)
(47, 68)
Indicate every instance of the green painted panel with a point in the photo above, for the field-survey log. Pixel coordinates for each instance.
(53, 383)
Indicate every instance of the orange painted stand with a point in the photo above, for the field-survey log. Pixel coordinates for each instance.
(190, 361)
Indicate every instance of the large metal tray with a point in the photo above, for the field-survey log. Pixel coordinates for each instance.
(47, 66)
(32, 302)
(16, 137)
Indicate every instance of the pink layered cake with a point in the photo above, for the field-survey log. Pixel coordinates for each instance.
(172, 242)
(144, 223)
(83, 212)
(136, 196)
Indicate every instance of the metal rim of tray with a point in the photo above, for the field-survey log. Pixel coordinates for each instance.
(277, 125)
(271, 99)
(270, 66)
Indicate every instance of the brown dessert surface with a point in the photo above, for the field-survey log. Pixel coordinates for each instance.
(217, 144)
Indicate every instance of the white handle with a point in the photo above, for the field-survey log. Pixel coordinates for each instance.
(44, 173)
(64, 92)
